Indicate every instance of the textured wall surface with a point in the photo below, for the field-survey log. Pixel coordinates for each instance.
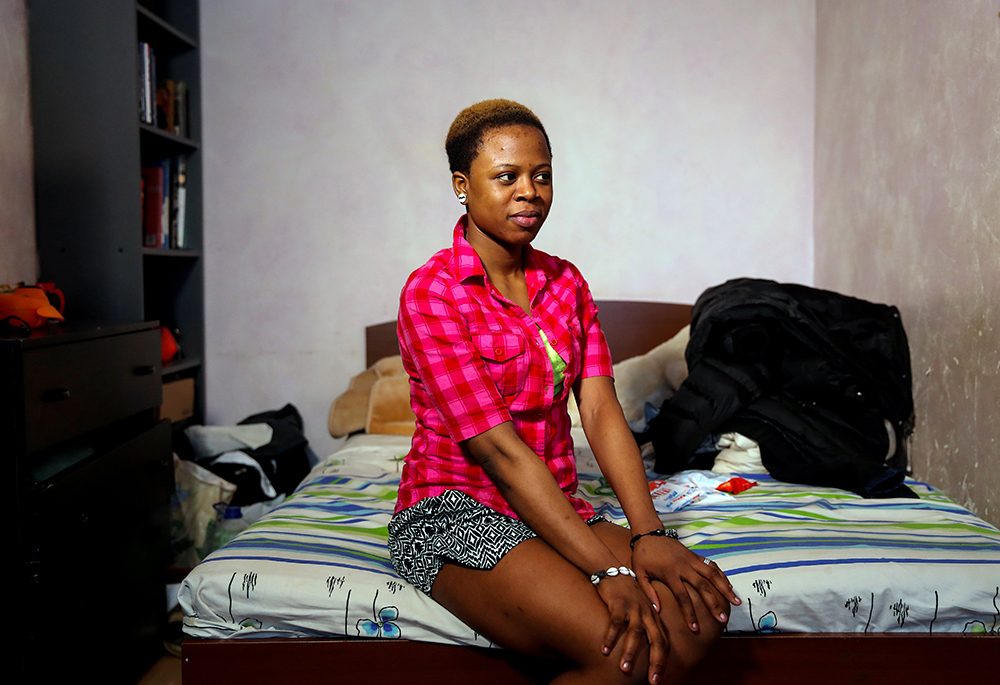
(18, 259)
(908, 210)
(682, 133)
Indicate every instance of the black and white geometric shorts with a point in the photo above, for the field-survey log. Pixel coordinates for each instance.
(452, 527)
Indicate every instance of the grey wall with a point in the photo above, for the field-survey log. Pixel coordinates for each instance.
(18, 259)
(682, 134)
(908, 209)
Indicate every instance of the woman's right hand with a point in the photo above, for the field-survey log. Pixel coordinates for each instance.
(634, 618)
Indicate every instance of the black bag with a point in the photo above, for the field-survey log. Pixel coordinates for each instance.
(285, 459)
(813, 376)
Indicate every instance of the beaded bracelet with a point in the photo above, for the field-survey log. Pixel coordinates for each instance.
(611, 573)
(661, 532)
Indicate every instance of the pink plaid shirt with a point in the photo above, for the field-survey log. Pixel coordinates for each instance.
(475, 360)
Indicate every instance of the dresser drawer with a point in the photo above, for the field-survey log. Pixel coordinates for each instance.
(103, 532)
(100, 517)
(71, 389)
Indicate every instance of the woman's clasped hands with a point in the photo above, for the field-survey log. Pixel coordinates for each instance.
(634, 604)
(686, 575)
(633, 617)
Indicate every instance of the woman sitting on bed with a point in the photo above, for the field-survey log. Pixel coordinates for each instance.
(494, 336)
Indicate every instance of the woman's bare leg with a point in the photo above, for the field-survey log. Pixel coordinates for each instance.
(686, 647)
(535, 602)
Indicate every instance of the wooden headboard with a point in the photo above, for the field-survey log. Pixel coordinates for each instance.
(632, 328)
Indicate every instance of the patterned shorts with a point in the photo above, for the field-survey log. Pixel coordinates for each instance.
(455, 528)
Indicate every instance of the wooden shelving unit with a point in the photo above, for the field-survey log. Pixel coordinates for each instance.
(89, 148)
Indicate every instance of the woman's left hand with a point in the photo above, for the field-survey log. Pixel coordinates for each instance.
(674, 565)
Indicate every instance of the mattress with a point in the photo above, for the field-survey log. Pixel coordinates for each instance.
(803, 559)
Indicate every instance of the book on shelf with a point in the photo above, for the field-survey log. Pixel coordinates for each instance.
(142, 203)
(152, 209)
(162, 103)
(171, 207)
(164, 204)
(141, 82)
(172, 108)
(180, 206)
(181, 109)
(147, 77)
(165, 106)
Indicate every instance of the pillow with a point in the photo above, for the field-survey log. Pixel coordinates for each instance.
(349, 412)
(352, 411)
(652, 377)
(389, 366)
(389, 411)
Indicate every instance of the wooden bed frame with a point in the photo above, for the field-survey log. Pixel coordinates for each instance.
(632, 328)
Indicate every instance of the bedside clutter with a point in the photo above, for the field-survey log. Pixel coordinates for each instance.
(229, 476)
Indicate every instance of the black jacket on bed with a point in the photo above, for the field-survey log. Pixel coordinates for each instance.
(813, 376)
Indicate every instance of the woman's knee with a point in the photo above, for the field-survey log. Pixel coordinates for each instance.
(607, 668)
(685, 649)
(694, 647)
(688, 647)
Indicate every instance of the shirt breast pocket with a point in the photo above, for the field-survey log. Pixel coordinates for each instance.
(575, 362)
(505, 359)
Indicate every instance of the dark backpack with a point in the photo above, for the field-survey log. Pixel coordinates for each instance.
(813, 376)
(284, 460)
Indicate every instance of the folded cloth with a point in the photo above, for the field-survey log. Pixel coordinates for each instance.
(738, 454)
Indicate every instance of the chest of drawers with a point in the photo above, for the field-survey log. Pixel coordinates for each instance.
(89, 472)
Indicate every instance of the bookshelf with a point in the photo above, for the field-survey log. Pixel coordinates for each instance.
(90, 148)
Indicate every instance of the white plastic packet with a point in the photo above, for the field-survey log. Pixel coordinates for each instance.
(685, 488)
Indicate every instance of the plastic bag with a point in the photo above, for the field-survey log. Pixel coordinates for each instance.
(685, 488)
(193, 513)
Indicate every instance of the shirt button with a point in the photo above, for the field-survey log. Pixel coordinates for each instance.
(499, 352)
(539, 416)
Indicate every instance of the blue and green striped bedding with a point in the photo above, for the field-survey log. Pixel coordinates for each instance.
(803, 559)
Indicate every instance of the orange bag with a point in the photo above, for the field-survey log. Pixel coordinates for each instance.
(30, 304)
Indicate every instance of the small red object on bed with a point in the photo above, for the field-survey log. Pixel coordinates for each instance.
(736, 485)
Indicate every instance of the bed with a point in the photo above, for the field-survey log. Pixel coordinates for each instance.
(835, 587)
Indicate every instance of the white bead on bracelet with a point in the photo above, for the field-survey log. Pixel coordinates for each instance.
(611, 573)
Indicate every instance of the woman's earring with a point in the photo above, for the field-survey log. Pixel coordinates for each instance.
(462, 198)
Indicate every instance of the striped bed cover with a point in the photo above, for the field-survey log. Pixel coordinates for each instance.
(803, 559)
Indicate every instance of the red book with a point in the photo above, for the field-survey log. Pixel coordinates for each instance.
(152, 209)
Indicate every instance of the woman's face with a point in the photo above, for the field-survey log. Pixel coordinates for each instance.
(509, 186)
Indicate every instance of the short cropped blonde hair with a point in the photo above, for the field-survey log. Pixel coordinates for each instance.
(472, 123)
